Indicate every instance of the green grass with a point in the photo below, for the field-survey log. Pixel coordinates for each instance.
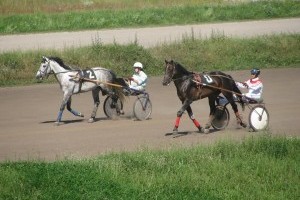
(262, 167)
(224, 53)
(257, 168)
(218, 53)
(9, 7)
(147, 16)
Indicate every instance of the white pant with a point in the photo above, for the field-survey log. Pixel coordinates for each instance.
(135, 86)
(253, 96)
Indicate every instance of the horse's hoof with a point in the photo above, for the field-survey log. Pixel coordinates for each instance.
(80, 115)
(251, 129)
(207, 126)
(134, 119)
(175, 130)
(206, 131)
(56, 123)
(203, 130)
(91, 120)
(121, 112)
(243, 124)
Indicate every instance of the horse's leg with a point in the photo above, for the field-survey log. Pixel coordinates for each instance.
(212, 108)
(62, 107)
(115, 99)
(79, 114)
(238, 116)
(197, 124)
(95, 93)
(185, 104)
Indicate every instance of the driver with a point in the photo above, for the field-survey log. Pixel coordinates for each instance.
(254, 85)
(138, 81)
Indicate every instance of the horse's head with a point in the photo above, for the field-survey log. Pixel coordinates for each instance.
(170, 69)
(44, 69)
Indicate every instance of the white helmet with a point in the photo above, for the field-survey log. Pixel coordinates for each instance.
(138, 64)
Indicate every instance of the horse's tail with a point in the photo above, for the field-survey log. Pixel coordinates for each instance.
(119, 90)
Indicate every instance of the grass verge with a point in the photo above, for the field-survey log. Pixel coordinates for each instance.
(147, 16)
(218, 53)
(262, 167)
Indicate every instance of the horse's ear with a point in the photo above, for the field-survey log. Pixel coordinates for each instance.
(45, 58)
(169, 61)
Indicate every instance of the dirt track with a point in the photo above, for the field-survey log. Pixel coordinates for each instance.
(28, 132)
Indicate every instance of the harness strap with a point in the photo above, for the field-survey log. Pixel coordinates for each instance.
(219, 88)
(197, 79)
(184, 77)
(95, 81)
(80, 73)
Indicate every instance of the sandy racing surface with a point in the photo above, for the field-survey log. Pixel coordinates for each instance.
(28, 114)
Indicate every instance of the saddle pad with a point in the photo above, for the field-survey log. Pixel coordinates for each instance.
(203, 79)
(89, 74)
(206, 79)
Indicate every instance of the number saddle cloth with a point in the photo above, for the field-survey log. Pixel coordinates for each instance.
(202, 79)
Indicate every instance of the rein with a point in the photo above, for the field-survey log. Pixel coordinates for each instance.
(184, 77)
(219, 88)
(224, 77)
(203, 84)
(48, 65)
(199, 83)
(199, 73)
(77, 70)
(65, 72)
(95, 81)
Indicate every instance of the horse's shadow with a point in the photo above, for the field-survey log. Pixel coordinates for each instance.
(186, 133)
(178, 134)
(63, 122)
(71, 121)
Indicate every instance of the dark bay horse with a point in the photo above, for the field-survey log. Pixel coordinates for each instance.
(70, 86)
(194, 86)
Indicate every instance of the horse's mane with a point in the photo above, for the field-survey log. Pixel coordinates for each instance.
(181, 69)
(60, 62)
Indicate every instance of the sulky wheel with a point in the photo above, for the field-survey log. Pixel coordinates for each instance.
(112, 108)
(259, 118)
(142, 108)
(221, 118)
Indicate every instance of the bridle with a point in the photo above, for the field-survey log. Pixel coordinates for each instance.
(45, 69)
(44, 72)
(173, 73)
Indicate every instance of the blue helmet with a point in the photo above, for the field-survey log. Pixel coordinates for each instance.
(255, 72)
